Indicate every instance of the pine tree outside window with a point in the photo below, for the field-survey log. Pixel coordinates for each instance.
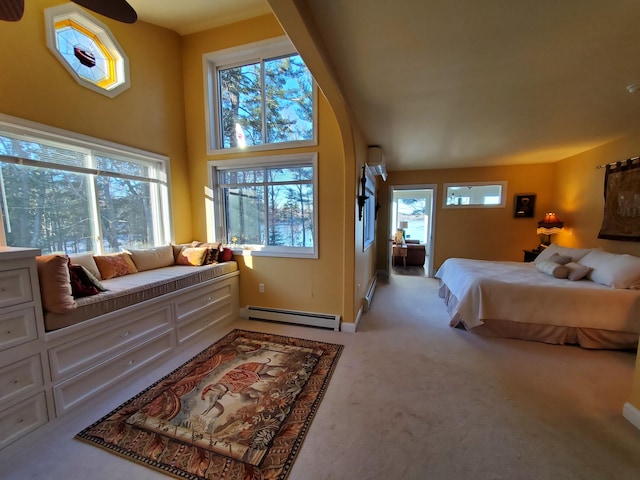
(259, 97)
(60, 191)
(268, 205)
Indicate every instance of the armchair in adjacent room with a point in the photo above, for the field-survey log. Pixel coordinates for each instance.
(416, 254)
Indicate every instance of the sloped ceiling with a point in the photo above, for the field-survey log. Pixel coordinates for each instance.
(453, 83)
(191, 16)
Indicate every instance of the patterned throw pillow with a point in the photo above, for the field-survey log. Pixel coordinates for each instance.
(192, 256)
(83, 283)
(213, 250)
(115, 265)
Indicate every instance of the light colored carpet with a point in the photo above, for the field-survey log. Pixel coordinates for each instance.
(412, 398)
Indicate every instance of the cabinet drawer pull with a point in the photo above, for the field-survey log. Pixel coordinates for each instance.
(125, 334)
(16, 381)
(21, 420)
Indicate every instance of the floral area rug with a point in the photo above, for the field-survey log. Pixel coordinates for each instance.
(238, 410)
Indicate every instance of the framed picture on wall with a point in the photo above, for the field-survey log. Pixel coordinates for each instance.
(524, 205)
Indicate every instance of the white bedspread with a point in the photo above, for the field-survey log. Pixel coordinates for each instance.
(519, 292)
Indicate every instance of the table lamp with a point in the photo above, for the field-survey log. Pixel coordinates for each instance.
(548, 226)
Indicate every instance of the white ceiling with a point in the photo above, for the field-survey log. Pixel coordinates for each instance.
(454, 83)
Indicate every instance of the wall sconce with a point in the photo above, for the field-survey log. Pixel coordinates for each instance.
(548, 226)
(362, 198)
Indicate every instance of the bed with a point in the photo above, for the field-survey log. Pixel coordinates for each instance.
(537, 301)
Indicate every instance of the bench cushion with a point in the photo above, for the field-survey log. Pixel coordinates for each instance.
(132, 289)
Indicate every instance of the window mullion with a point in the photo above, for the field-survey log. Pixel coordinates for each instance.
(263, 97)
(94, 211)
(265, 200)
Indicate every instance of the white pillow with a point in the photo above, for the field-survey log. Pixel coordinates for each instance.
(614, 270)
(87, 261)
(151, 258)
(577, 271)
(553, 269)
(575, 253)
(560, 259)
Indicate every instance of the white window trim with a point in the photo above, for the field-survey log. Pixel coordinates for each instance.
(102, 32)
(46, 132)
(503, 194)
(216, 225)
(369, 216)
(236, 56)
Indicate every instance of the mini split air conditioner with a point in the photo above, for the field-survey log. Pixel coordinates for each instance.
(375, 162)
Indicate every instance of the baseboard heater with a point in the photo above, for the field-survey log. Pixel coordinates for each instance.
(368, 298)
(311, 319)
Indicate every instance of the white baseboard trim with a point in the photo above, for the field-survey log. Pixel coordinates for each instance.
(349, 327)
(632, 414)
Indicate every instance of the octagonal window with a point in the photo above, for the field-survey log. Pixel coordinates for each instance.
(87, 49)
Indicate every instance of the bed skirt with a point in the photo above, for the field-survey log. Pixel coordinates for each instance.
(559, 335)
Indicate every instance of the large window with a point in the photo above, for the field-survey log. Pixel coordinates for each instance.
(259, 96)
(64, 192)
(267, 206)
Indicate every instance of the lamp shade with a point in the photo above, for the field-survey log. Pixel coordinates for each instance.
(550, 224)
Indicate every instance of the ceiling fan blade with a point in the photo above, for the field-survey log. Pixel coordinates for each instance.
(11, 10)
(117, 9)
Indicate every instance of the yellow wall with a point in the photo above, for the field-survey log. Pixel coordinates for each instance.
(149, 115)
(290, 283)
(483, 233)
(358, 267)
(580, 190)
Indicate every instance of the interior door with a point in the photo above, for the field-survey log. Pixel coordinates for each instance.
(413, 206)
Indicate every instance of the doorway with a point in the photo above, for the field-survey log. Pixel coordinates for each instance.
(412, 210)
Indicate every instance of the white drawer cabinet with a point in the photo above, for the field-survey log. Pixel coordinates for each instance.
(15, 287)
(17, 327)
(44, 375)
(201, 298)
(71, 392)
(25, 394)
(85, 351)
(202, 308)
(22, 418)
(21, 378)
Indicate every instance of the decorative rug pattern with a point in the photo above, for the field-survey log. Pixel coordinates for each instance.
(238, 410)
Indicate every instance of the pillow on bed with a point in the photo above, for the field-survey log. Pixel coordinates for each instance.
(614, 270)
(575, 253)
(577, 271)
(552, 268)
(560, 259)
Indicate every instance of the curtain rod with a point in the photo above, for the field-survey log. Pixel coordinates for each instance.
(604, 165)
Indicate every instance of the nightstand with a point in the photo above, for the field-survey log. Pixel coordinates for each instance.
(530, 255)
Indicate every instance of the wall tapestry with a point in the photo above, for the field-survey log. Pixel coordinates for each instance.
(621, 220)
